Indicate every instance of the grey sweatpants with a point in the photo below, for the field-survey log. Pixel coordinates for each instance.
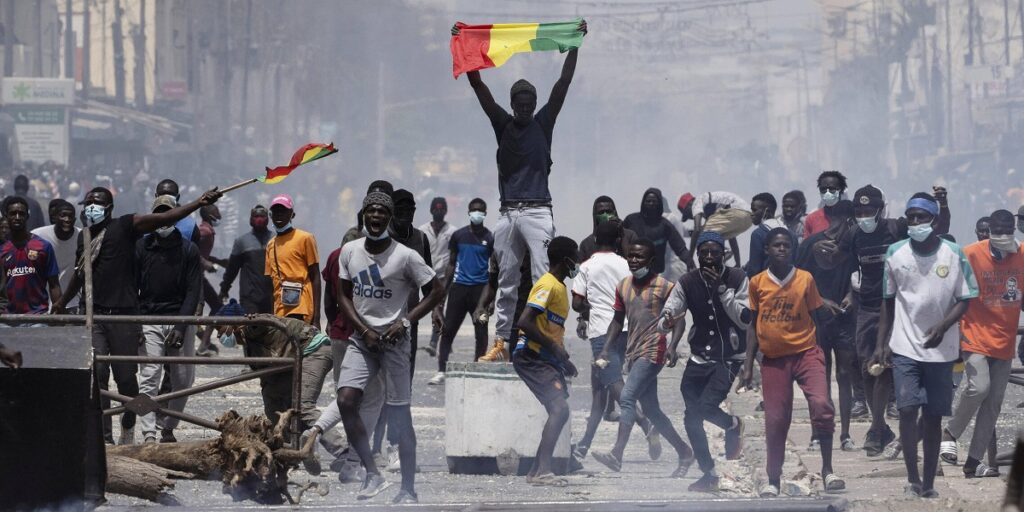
(985, 381)
(519, 231)
(182, 376)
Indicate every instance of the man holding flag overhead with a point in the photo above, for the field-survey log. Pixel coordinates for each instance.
(524, 148)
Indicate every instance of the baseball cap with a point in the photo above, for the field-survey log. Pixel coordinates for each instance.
(164, 200)
(868, 195)
(685, 200)
(283, 200)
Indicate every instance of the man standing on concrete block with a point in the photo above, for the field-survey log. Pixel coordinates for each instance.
(925, 289)
(640, 298)
(987, 333)
(526, 224)
(377, 276)
(540, 357)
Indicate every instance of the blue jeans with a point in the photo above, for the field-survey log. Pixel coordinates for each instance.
(642, 386)
(613, 372)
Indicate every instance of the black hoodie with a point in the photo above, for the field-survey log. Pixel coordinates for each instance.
(658, 230)
(589, 244)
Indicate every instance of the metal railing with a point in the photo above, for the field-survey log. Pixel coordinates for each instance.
(144, 404)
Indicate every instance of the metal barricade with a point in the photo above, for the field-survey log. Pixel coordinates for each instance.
(144, 404)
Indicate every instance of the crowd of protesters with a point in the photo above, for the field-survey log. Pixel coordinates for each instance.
(894, 307)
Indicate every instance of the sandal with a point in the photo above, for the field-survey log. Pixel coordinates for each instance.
(948, 452)
(607, 459)
(834, 482)
(548, 480)
(683, 468)
(982, 471)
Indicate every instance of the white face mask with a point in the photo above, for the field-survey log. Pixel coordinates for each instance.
(867, 224)
(95, 213)
(477, 218)
(830, 198)
(641, 273)
(383, 236)
(164, 232)
(1004, 243)
(920, 232)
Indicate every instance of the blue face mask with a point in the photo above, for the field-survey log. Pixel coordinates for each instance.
(574, 269)
(920, 232)
(283, 229)
(383, 236)
(477, 218)
(830, 198)
(228, 340)
(641, 273)
(94, 213)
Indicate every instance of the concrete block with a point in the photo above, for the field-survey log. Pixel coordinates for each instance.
(493, 422)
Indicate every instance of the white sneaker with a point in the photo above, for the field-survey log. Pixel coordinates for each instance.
(437, 380)
(394, 463)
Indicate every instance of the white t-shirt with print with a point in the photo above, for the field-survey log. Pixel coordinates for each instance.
(597, 280)
(926, 287)
(381, 283)
(65, 250)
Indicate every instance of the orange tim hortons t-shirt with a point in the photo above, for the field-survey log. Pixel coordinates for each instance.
(990, 325)
(783, 311)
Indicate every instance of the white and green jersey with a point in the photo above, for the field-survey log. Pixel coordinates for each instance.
(925, 287)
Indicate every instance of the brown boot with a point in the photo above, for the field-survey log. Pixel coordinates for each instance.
(497, 354)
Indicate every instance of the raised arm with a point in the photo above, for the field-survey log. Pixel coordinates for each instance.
(561, 88)
(148, 222)
(483, 95)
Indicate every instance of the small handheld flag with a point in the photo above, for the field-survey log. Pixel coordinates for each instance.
(305, 154)
(489, 46)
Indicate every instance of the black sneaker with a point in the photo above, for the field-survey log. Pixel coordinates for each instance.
(891, 412)
(167, 436)
(431, 350)
(872, 444)
(887, 437)
(372, 486)
(859, 410)
(706, 483)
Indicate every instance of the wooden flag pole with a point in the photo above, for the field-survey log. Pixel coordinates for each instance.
(238, 185)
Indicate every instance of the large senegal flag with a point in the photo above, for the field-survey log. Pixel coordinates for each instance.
(304, 155)
(489, 46)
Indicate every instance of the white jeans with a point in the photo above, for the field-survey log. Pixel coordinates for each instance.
(150, 374)
(519, 231)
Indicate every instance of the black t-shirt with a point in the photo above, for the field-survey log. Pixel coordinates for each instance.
(524, 157)
(662, 233)
(114, 268)
(869, 249)
(834, 283)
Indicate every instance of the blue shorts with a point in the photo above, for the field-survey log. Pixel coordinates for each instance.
(612, 373)
(929, 385)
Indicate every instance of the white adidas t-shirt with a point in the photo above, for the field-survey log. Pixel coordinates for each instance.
(926, 286)
(597, 280)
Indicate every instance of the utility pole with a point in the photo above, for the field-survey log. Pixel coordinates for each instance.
(1006, 53)
(38, 53)
(69, 42)
(8, 37)
(949, 81)
(86, 47)
(970, 32)
(118, 36)
(139, 46)
(244, 109)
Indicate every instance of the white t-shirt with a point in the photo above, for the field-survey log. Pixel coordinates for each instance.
(597, 280)
(381, 283)
(721, 200)
(439, 251)
(925, 288)
(65, 250)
